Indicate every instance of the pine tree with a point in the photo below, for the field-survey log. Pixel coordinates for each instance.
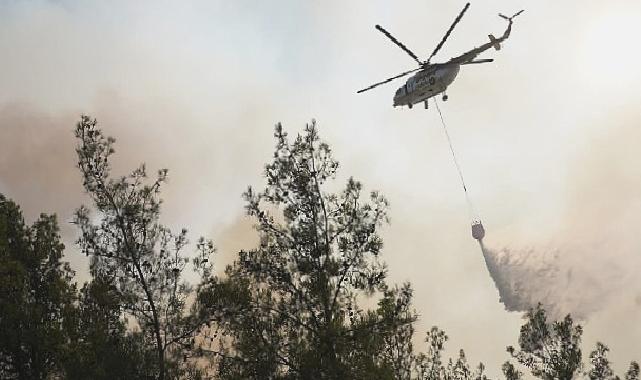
(599, 364)
(100, 345)
(318, 258)
(510, 372)
(430, 365)
(142, 259)
(549, 350)
(633, 372)
(36, 296)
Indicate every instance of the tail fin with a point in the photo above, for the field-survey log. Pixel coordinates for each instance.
(513, 16)
(517, 13)
(495, 44)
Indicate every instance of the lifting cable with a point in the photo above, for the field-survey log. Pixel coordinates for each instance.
(473, 213)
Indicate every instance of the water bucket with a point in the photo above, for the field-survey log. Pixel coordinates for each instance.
(478, 232)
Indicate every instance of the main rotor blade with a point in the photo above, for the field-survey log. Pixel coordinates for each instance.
(398, 43)
(488, 60)
(450, 63)
(456, 21)
(387, 80)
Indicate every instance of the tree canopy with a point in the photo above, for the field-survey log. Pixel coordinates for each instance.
(141, 260)
(310, 301)
(318, 257)
(36, 295)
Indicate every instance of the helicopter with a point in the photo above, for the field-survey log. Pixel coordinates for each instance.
(434, 78)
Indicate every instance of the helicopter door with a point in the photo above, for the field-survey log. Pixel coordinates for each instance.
(410, 86)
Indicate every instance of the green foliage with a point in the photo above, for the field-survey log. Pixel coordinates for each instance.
(633, 372)
(292, 308)
(549, 350)
(36, 295)
(510, 372)
(100, 345)
(318, 255)
(397, 353)
(143, 260)
(599, 364)
(430, 365)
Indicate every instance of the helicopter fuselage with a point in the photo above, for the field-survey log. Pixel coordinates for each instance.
(425, 84)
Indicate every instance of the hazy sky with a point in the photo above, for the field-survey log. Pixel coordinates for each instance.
(546, 135)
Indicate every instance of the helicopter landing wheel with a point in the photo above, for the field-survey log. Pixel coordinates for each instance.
(410, 106)
(445, 97)
(426, 104)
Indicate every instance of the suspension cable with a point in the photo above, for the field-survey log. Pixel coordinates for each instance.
(473, 213)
